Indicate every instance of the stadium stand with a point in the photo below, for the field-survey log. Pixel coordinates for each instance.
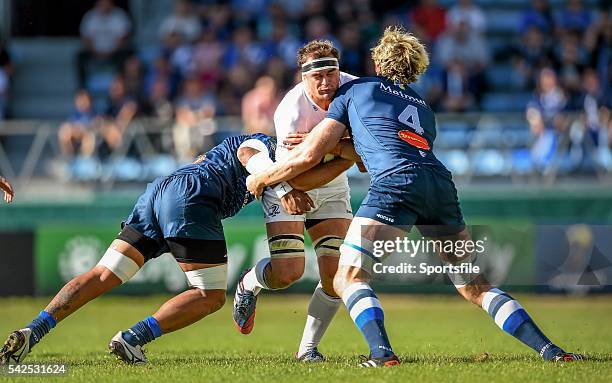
(240, 43)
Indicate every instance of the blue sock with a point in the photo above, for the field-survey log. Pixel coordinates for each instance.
(143, 332)
(366, 312)
(513, 319)
(40, 326)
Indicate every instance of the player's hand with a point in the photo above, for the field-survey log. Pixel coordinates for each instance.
(297, 202)
(9, 193)
(294, 139)
(254, 186)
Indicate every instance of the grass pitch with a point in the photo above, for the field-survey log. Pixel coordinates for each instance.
(437, 338)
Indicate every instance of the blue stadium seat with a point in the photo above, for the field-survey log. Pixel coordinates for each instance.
(505, 101)
(503, 21)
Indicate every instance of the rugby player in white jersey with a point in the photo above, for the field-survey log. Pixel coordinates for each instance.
(302, 108)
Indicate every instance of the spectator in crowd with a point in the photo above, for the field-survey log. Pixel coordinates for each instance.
(529, 57)
(119, 114)
(184, 22)
(134, 79)
(158, 104)
(258, 106)
(463, 54)
(596, 108)
(540, 16)
(574, 18)
(6, 70)
(195, 109)
(467, 11)
(78, 131)
(244, 49)
(598, 41)
(571, 61)
(105, 30)
(428, 21)
(546, 117)
(207, 56)
(6, 187)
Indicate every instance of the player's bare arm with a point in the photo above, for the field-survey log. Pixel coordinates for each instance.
(321, 140)
(8, 190)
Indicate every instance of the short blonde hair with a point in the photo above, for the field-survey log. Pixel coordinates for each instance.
(399, 56)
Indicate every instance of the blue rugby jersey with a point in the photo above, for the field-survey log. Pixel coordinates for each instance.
(391, 126)
(222, 164)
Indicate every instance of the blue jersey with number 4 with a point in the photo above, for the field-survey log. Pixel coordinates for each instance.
(391, 126)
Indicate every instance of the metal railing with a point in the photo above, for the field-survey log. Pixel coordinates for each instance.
(472, 145)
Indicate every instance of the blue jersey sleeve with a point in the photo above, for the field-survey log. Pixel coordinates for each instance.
(338, 109)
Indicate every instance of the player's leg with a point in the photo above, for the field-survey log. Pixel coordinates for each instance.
(205, 265)
(284, 266)
(352, 284)
(327, 236)
(119, 263)
(506, 311)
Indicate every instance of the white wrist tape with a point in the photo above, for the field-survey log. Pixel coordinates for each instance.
(282, 189)
(259, 163)
(120, 265)
(210, 278)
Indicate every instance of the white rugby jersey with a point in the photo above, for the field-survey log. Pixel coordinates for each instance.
(297, 113)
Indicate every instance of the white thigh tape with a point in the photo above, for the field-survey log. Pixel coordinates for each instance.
(210, 278)
(120, 265)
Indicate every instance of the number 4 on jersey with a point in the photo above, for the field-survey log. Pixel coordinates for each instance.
(410, 117)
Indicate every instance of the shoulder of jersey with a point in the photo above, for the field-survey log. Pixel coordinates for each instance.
(346, 77)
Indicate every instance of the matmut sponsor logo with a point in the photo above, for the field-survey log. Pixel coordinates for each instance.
(413, 139)
(401, 94)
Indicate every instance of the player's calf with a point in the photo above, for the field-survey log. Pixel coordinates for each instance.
(511, 317)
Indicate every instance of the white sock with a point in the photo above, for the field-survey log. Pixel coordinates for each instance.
(255, 280)
(321, 311)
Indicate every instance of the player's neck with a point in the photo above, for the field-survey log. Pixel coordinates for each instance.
(323, 104)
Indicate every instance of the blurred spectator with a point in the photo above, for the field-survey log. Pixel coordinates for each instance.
(158, 104)
(596, 107)
(546, 117)
(529, 57)
(598, 41)
(428, 20)
(463, 54)
(353, 55)
(105, 31)
(183, 22)
(258, 107)
(459, 87)
(7, 188)
(243, 49)
(282, 44)
(195, 109)
(6, 70)
(459, 43)
(574, 18)
(79, 129)
(467, 11)
(120, 111)
(539, 16)
(207, 57)
(134, 79)
(571, 62)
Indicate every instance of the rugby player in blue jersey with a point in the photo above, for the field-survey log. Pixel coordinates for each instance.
(393, 131)
(180, 214)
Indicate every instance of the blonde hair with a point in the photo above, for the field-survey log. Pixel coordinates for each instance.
(399, 56)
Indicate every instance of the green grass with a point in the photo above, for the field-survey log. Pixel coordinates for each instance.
(438, 339)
